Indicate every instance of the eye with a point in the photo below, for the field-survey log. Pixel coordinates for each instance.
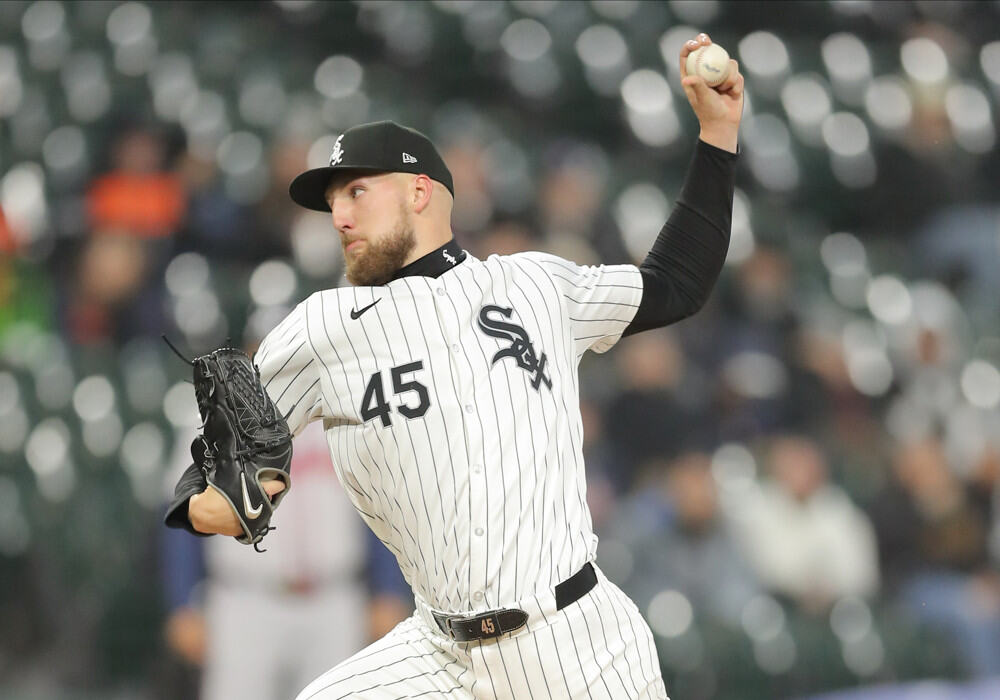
(355, 191)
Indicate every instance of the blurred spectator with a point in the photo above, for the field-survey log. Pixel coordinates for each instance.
(757, 393)
(474, 209)
(601, 462)
(8, 244)
(115, 293)
(324, 588)
(934, 538)
(802, 534)
(137, 197)
(215, 225)
(275, 213)
(987, 476)
(694, 553)
(645, 420)
(958, 246)
(25, 294)
(504, 237)
(571, 201)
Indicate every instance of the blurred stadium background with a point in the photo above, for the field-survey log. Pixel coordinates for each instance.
(800, 486)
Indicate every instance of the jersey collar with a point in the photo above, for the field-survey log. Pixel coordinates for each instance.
(435, 263)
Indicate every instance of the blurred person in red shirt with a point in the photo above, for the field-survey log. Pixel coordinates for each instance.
(115, 290)
(138, 195)
(7, 242)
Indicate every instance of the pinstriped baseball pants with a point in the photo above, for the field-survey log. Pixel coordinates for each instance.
(598, 647)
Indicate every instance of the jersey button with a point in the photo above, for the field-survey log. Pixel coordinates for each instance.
(455, 348)
(478, 595)
(469, 408)
(440, 291)
(477, 469)
(479, 532)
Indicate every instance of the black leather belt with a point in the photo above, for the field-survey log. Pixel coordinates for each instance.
(493, 623)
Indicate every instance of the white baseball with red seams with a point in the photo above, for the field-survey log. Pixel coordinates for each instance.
(710, 62)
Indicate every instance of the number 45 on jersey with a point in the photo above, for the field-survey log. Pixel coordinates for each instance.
(374, 405)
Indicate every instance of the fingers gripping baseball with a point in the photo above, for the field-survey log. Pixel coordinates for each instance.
(719, 107)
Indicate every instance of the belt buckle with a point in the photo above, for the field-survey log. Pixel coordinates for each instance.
(447, 625)
(484, 625)
(487, 626)
(444, 623)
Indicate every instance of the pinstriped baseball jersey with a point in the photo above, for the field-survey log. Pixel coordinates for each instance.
(451, 409)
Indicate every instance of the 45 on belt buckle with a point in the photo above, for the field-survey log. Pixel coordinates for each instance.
(483, 626)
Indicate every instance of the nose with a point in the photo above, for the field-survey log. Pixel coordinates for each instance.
(343, 218)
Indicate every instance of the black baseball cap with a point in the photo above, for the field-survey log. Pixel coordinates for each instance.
(375, 147)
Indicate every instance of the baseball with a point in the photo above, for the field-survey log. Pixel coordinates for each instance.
(710, 62)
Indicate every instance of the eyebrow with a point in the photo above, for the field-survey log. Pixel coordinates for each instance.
(345, 180)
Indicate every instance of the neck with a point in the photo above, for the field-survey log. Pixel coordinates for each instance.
(435, 263)
(428, 241)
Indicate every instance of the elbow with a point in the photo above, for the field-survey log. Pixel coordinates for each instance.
(694, 296)
(694, 304)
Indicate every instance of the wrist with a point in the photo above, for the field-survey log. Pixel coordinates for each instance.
(190, 503)
(726, 138)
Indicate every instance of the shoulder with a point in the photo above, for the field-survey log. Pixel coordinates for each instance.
(535, 258)
(315, 308)
(333, 301)
(535, 262)
(834, 499)
(570, 275)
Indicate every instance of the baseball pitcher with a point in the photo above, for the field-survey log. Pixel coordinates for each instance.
(447, 388)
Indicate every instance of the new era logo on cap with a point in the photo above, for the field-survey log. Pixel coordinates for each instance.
(407, 158)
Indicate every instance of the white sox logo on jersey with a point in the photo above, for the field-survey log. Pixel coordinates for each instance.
(520, 349)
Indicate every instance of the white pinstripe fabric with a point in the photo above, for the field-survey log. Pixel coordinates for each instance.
(466, 463)
(598, 648)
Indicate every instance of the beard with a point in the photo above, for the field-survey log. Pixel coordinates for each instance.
(380, 259)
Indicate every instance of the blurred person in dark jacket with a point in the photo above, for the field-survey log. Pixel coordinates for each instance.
(694, 551)
(933, 533)
(646, 420)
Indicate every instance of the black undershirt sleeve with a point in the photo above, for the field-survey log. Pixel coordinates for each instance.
(687, 256)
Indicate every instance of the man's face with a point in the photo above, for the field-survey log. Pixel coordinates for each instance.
(374, 223)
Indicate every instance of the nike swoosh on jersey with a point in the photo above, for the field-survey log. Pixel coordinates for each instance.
(356, 313)
(251, 512)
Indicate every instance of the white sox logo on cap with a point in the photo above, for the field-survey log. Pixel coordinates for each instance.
(338, 152)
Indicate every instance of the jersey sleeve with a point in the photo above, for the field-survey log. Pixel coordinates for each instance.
(600, 301)
(289, 372)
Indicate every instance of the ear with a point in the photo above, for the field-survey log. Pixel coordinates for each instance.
(421, 189)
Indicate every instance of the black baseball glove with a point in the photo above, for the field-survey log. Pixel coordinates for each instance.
(245, 441)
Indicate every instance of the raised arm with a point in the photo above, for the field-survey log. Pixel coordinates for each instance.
(687, 256)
